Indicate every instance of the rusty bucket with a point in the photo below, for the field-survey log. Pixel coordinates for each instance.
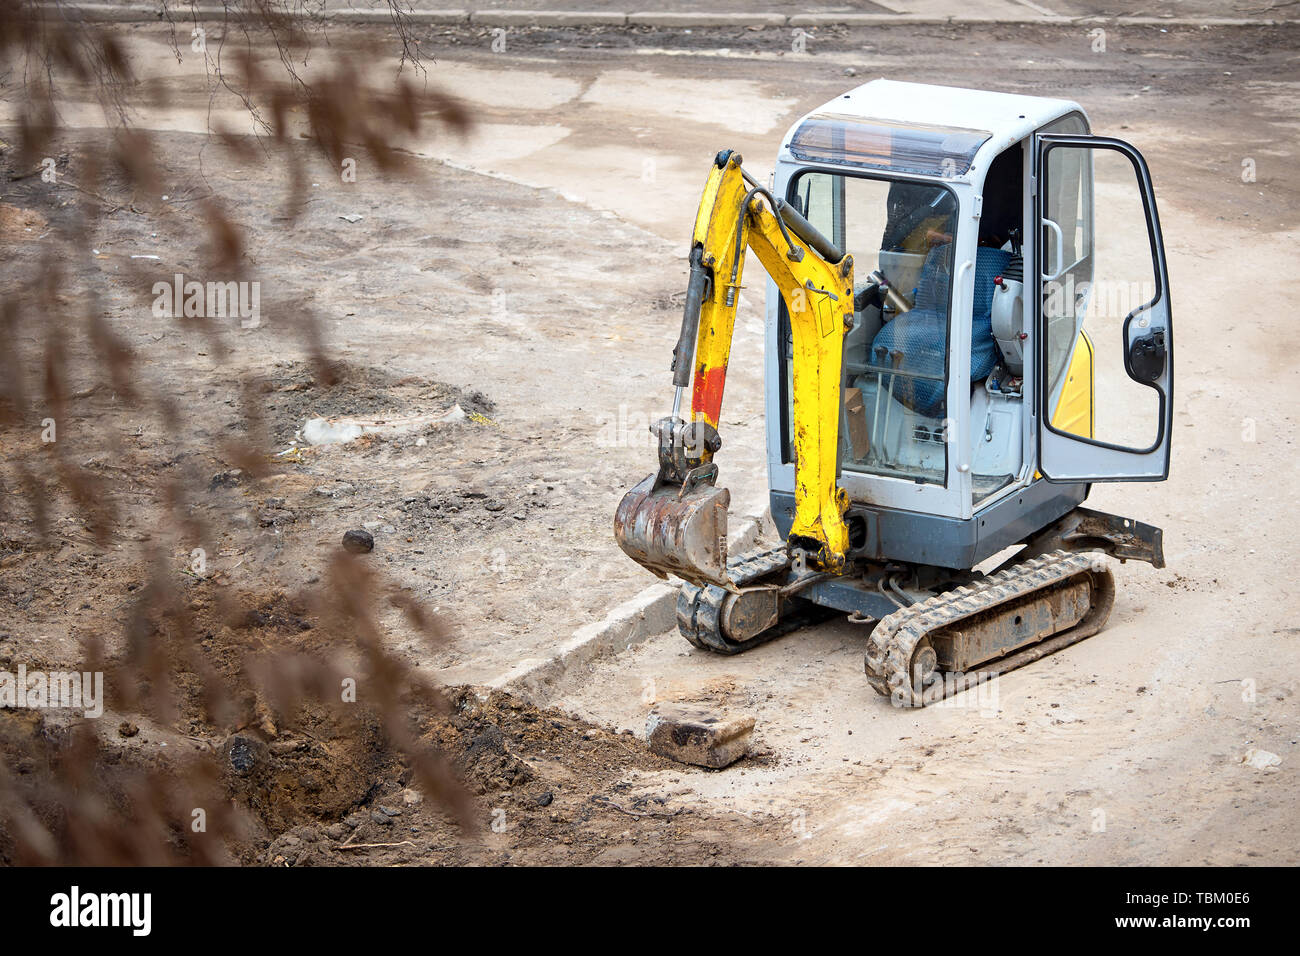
(669, 531)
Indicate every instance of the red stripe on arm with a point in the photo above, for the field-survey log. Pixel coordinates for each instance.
(706, 398)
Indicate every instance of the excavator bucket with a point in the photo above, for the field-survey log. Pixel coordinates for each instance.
(671, 531)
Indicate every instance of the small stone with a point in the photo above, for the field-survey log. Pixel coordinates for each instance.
(336, 490)
(545, 799)
(226, 479)
(412, 798)
(383, 819)
(494, 504)
(389, 811)
(358, 541)
(1261, 759)
(271, 517)
(520, 516)
(127, 729)
(697, 735)
(241, 754)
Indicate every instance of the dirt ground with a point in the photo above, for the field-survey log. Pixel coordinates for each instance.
(532, 277)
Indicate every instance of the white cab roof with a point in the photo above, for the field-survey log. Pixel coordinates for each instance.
(1007, 117)
(998, 113)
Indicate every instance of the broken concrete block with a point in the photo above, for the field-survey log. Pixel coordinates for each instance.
(692, 734)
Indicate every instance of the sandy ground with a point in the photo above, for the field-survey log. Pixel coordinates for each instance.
(534, 277)
(1126, 749)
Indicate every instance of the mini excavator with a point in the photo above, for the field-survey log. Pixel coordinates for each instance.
(936, 405)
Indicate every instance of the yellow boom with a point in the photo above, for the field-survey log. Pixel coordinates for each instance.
(656, 521)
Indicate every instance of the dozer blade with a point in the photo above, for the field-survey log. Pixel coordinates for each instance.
(671, 532)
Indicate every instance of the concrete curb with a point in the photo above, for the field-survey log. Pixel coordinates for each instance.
(653, 611)
(546, 18)
(141, 13)
(690, 20)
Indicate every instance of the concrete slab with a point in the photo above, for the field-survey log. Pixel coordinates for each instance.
(698, 735)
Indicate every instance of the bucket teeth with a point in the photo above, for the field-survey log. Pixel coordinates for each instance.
(670, 531)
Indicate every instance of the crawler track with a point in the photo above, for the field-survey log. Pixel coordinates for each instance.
(699, 610)
(892, 646)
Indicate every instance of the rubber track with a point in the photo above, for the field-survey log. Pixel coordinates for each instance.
(699, 610)
(894, 638)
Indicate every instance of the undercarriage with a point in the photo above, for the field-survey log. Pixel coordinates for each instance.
(933, 632)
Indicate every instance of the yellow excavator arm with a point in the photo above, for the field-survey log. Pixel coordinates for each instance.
(675, 521)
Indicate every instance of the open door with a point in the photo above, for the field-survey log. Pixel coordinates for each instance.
(1102, 293)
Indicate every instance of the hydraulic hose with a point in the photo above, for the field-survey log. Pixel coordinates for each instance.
(786, 215)
(696, 286)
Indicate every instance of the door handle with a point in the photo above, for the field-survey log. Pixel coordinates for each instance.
(1060, 251)
(1146, 357)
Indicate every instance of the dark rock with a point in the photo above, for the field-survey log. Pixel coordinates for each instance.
(545, 799)
(358, 541)
(489, 740)
(242, 754)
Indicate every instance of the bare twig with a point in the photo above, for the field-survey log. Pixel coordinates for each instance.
(635, 813)
(371, 846)
(113, 206)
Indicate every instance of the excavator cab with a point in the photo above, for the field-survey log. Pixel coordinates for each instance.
(996, 373)
(968, 323)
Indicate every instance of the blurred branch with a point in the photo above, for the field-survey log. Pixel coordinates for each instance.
(72, 794)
